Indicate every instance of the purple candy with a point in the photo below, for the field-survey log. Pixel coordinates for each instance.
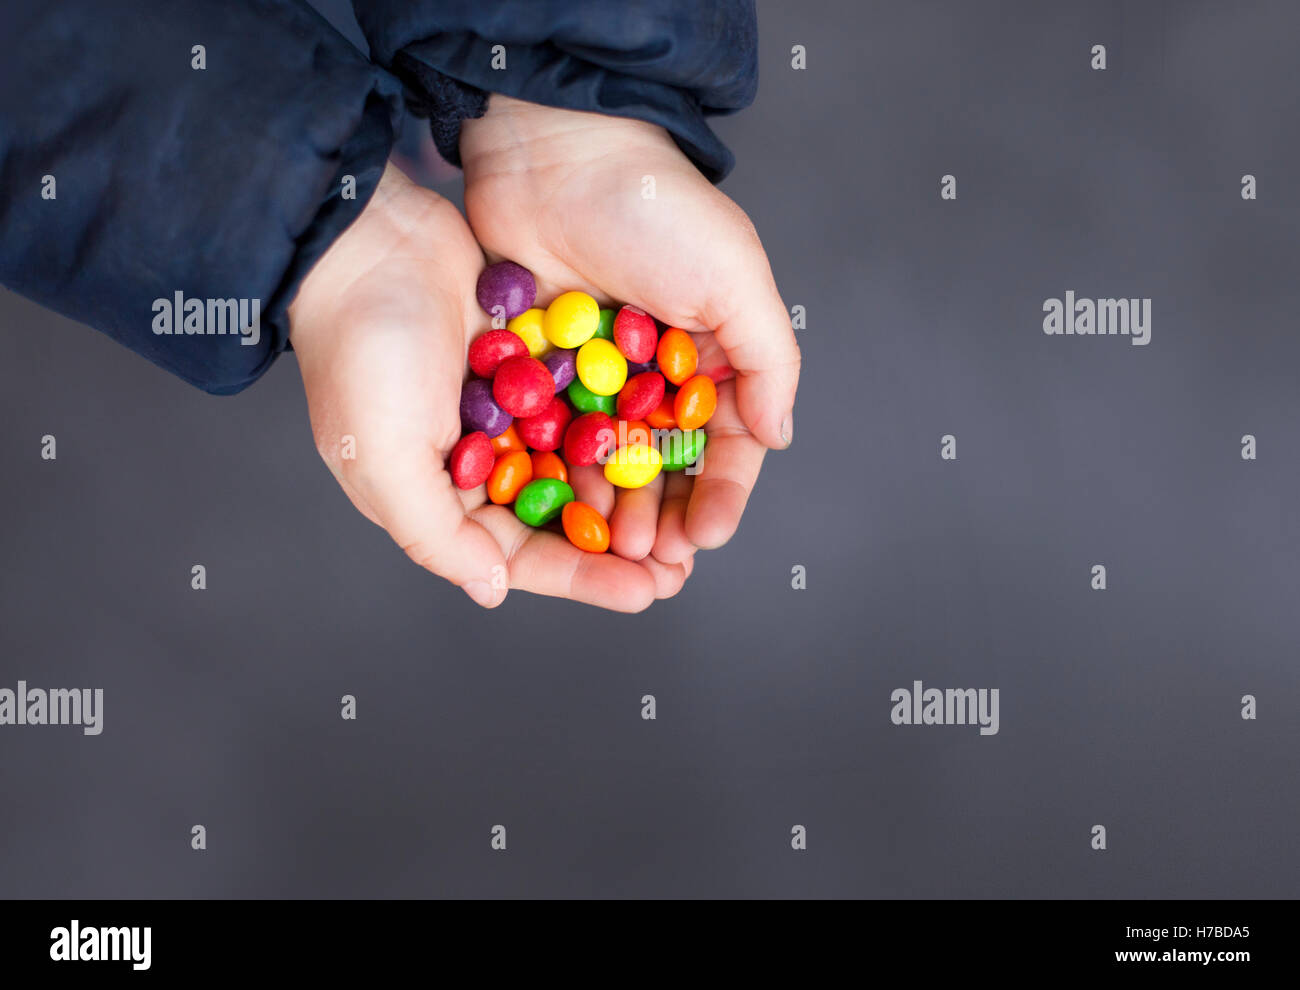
(479, 411)
(636, 368)
(506, 284)
(563, 366)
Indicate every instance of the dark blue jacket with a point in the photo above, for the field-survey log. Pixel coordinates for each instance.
(138, 189)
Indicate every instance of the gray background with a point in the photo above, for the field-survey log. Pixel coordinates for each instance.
(1119, 708)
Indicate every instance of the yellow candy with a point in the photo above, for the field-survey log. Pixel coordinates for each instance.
(601, 367)
(528, 327)
(633, 466)
(571, 319)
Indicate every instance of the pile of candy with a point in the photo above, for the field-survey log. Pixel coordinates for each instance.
(585, 381)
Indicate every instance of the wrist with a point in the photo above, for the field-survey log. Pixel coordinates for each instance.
(352, 254)
(515, 135)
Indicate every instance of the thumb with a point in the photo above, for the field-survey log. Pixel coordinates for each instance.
(752, 326)
(415, 501)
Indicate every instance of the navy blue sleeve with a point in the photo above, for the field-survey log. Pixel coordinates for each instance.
(669, 62)
(134, 180)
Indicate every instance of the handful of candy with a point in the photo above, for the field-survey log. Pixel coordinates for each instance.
(590, 384)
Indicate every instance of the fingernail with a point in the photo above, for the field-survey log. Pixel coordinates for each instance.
(481, 592)
(787, 429)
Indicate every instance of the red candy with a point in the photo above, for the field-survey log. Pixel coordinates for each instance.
(471, 460)
(635, 334)
(486, 352)
(545, 431)
(589, 438)
(641, 395)
(523, 386)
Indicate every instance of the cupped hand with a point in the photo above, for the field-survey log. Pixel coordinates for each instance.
(611, 206)
(380, 326)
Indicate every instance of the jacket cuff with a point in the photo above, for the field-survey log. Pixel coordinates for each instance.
(362, 157)
(673, 63)
(447, 65)
(442, 99)
(224, 175)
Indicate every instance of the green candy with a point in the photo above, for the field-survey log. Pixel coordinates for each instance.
(605, 328)
(680, 449)
(585, 400)
(542, 500)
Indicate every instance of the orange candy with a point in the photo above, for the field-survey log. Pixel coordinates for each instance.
(585, 527)
(507, 442)
(547, 464)
(677, 355)
(662, 418)
(509, 475)
(695, 403)
(636, 430)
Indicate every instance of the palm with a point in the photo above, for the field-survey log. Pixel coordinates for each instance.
(667, 244)
(591, 227)
(380, 329)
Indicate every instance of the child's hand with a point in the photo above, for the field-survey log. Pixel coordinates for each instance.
(611, 206)
(380, 329)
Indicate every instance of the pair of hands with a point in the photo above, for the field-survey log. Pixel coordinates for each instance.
(382, 323)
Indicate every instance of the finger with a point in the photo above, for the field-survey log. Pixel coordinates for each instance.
(753, 327)
(671, 543)
(589, 485)
(471, 498)
(546, 564)
(728, 469)
(712, 358)
(635, 521)
(415, 501)
(669, 578)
